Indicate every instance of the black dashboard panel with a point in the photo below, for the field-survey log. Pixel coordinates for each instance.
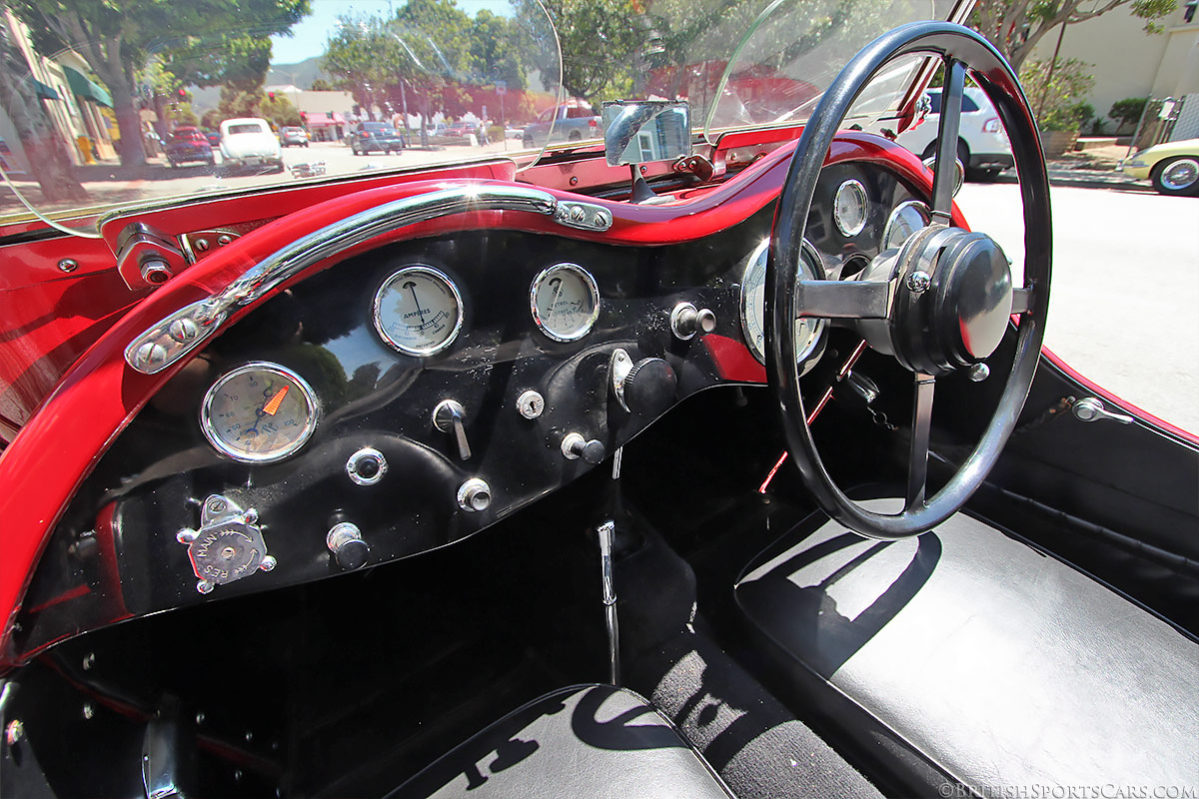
(155, 478)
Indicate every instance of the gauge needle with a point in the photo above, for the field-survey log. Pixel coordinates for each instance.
(419, 310)
(272, 405)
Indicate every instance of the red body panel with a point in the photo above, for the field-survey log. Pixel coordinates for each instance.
(100, 395)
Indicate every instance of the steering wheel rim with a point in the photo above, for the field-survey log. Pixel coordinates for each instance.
(897, 299)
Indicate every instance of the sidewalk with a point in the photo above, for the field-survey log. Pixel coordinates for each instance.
(1096, 168)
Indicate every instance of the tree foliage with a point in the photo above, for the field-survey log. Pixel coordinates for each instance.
(204, 42)
(1016, 26)
(1056, 93)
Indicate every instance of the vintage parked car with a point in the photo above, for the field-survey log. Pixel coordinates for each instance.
(510, 475)
(214, 137)
(369, 137)
(187, 144)
(293, 137)
(249, 144)
(1173, 167)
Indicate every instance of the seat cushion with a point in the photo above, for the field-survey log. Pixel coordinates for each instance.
(999, 665)
(583, 741)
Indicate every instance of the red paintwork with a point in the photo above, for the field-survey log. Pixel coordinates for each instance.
(100, 395)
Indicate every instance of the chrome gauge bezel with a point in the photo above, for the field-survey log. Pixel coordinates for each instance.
(855, 186)
(811, 268)
(215, 438)
(920, 206)
(592, 288)
(427, 271)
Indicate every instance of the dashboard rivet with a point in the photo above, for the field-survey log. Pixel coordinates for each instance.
(89, 710)
(268, 563)
(68, 265)
(979, 372)
(574, 180)
(918, 282)
(186, 535)
(205, 587)
(183, 329)
(14, 732)
(89, 660)
(530, 404)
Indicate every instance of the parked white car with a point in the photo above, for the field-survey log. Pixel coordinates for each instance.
(983, 147)
(249, 143)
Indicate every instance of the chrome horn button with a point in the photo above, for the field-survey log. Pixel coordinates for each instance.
(953, 301)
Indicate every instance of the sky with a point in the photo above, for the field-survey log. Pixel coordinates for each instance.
(309, 35)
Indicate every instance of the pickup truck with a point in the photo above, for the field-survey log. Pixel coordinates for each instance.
(574, 121)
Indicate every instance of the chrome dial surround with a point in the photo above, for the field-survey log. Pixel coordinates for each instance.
(427, 337)
(897, 217)
(753, 305)
(851, 207)
(580, 322)
(220, 434)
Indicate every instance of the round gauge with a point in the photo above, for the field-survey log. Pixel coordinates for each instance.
(906, 219)
(565, 302)
(850, 207)
(258, 413)
(418, 310)
(753, 305)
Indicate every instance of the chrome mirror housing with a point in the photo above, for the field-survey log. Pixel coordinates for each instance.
(640, 131)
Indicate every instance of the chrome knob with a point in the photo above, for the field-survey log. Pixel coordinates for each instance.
(574, 447)
(474, 495)
(686, 321)
(344, 540)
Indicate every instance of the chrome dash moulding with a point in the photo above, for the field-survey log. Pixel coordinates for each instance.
(174, 336)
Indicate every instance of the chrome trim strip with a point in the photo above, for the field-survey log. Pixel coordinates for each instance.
(180, 333)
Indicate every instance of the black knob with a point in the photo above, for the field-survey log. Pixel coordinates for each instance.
(650, 387)
(574, 446)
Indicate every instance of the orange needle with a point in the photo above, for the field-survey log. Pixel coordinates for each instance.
(272, 407)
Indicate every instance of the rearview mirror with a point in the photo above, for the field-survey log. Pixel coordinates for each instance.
(641, 131)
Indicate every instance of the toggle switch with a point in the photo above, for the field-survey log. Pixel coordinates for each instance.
(574, 447)
(686, 320)
(450, 417)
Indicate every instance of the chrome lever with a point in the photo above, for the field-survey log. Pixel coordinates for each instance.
(449, 417)
(1091, 409)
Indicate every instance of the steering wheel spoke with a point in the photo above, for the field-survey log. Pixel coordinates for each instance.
(922, 424)
(1022, 300)
(945, 168)
(838, 299)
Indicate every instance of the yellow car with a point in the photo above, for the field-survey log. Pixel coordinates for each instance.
(1173, 167)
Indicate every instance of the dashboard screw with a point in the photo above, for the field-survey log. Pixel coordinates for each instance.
(201, 244)
(574, 181)
(150, 354)
(217, 505)
(68, 265)
(89, 711)
(205, 587)
(14, 732)
(979, 372)
(223, 239)
(89, 660)
(530, 404)
(200, 717)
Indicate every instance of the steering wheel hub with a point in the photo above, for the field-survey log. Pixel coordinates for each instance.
(953, 300)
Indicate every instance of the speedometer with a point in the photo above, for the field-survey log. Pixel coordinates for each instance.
(418, 310)
(851, 206)
(258, 413)
(753, 305)
(906, 219)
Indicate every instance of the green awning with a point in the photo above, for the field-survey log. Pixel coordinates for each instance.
(84, 88)
(44, 92)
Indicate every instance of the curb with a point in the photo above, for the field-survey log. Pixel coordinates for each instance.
(1086, 179)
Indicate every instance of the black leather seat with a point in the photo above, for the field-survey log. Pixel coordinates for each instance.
(980, 659)
(584, 741)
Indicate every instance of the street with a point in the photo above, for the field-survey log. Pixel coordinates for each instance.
(1124, 308)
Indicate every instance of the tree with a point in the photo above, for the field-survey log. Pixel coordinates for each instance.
(120, 38)
(601, 45)
(1016, 26)
(44, 148)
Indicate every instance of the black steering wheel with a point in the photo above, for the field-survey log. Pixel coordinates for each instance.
(941, 305)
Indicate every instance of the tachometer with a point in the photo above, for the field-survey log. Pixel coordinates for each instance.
(258, 413)
(418, 310)
(851, 206)
(753, 305)
(906, 219)
(564, 301)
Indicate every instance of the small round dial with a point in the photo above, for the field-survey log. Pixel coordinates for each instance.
(258, 413)
(565, 302)
(418, 310)
(850, 207)
(753, 305)
(906, 219)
